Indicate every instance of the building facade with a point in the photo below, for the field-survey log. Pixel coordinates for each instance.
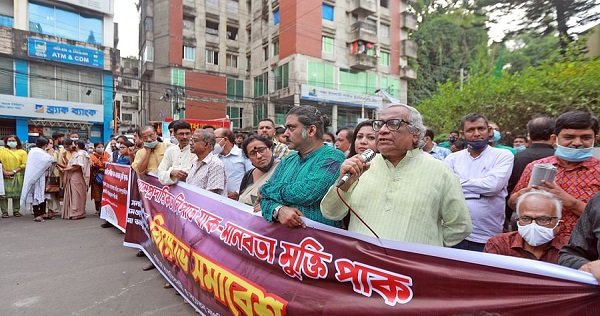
(127, 85)
(56, 59)
(255, 59)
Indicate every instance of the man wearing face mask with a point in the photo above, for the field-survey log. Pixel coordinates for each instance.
(539, 214)
(483, 172)
(151, 154)
(577, 172)
(496, 137)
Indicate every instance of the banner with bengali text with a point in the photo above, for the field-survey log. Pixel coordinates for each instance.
(225, 260)
(115, 194)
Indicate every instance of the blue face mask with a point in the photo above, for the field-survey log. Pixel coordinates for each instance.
(497, 136)
(573, 154)
(519, 148)
(477, 144)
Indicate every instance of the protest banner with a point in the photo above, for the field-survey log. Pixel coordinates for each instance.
(115, 194)
(223, 259)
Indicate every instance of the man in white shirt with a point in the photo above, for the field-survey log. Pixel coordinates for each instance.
(207, 171)
(236, 165)
(483, 172)
(177, 159)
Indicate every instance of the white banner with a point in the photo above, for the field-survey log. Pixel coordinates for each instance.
(104, 6)
(319, 94)
(51, 109)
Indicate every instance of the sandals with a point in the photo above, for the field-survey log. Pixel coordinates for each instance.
(4, 215)
(16, 214)
(39, 219)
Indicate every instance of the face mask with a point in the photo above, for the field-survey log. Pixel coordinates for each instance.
(451, 139)
(535, 234)
(477, 144)
(520, 148)
(11, 144)
(99, 150)
(218, 149)
(573, 154)
(497, 136)
(74, 139)
(151, 144)
(328, 144)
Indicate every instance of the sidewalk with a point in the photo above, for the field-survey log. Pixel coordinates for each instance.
(63, 267)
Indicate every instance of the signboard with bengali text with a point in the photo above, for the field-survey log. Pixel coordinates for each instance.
(115, 195)
(50, 109)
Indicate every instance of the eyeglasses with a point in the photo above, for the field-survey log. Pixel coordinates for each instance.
(195, 140)
(259, 150)
(392, 125)
(542, 220)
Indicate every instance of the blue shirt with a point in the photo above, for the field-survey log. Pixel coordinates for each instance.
(236, 165)
(439, 153)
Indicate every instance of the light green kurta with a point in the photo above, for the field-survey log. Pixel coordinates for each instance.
(419, 201)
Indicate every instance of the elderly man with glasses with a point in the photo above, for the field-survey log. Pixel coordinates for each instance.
(539, 214)
(403, 194)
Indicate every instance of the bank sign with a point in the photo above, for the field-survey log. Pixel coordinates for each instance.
(65, 53)
(318, 94)
(50, 109)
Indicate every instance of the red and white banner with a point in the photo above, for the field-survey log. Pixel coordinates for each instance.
(115, 197)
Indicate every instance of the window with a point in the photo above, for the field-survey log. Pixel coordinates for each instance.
(212, 56)
(51, 20)
(276, 16)
(327, 12)
(261, 84)
(7, 79)
(266, 52)
(6, 21)
(384, 3)
(321, 74)
(149, 52)
(233, 6)
(391, 85)
(189, 53)
(248, 62)
(384, 59)
(126, 117)
(384, 30)
(235, 89)
(127, 82)
(275, 47)
(282, 76)
(70, 84)
(189, 25)
(260, 111)
(212, 28)
(357, 81)
(235, 116)
(231, 60)
(327, 44)
(212, 3)
(232, 33)
(148, 24)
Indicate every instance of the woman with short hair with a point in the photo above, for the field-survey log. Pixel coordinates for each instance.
(258, 150)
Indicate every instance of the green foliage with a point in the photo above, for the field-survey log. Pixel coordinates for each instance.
(513, 99)
(532, 50)
(446, 42)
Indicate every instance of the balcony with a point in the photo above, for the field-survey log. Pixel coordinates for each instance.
(409, 21)
(362, 7)
(362, 62)
(363, 31)
(409, 49)
(189, 8)
(408, 73)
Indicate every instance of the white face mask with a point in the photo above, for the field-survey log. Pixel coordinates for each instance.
(535, 234)
(218, 149)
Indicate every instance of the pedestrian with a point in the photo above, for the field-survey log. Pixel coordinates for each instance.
(13, 159)
(34, 185)
(53, 176)
(98, 160)
(76, 182)
(126, 155)
(258, 150)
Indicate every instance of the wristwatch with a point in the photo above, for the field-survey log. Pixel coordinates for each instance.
(276, 212)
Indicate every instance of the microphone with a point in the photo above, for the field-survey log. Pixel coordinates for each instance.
(367, 156)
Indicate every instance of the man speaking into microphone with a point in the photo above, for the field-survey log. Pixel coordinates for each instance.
(403, 194)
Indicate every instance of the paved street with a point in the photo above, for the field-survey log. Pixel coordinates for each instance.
(62, 267)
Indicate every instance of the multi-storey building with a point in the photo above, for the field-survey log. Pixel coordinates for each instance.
(56, 59)
(256, 59)
(127, 105)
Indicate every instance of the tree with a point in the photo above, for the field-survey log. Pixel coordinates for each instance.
(447, 43)
(531, 50)
(545, 17)
(513, 99)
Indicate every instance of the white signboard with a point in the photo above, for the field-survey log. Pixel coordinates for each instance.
(51, 109)
(319, 94)
(104, 6)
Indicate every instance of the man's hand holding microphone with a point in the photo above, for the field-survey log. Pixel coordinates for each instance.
(353, 168)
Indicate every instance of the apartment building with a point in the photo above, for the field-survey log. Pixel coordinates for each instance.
(127, 85)
(56, 60)
(254, 59)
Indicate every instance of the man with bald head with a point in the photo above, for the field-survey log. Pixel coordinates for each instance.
(539, 214)
(148, 158)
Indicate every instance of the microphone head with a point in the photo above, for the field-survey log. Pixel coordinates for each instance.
(368, 155)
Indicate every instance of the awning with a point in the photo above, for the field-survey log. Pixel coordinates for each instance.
(55, 123)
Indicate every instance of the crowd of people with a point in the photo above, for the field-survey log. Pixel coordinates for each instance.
(469, 192)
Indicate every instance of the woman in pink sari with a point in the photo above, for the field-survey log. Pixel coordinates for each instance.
(76, 183)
